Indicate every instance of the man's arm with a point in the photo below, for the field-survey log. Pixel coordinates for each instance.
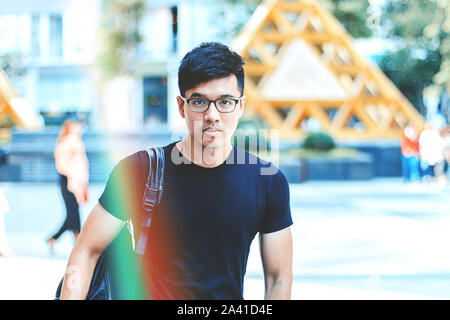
(276, 255)
(98, 231)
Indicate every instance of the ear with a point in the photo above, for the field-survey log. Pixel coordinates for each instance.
(241, 106)
(180, 106)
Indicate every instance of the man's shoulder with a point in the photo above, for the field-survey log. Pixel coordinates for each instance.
(137, 156)
(139, 159)
(133, 159)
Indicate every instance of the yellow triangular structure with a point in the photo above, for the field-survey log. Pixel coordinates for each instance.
(301, 64)
(14, 107)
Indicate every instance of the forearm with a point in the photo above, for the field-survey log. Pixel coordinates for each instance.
(78, 274)
(278, 288)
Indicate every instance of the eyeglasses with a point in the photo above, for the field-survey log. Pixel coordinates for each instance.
(224, 105)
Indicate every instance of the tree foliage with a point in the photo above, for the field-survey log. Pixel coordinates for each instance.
(439, 30)
(417, 29)
(119, 36)
(353, 14)
(13, 64)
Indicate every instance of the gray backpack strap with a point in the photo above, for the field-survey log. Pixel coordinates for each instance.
(152, 194)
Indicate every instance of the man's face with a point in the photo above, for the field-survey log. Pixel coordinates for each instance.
(212, 128)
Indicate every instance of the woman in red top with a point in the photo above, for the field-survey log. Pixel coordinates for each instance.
(409, 144)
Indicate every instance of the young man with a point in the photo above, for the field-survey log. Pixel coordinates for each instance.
(212, 206)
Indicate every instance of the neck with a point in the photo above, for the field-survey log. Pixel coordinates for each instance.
(204, 156)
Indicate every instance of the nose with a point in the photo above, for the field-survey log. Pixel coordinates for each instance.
(212, 114)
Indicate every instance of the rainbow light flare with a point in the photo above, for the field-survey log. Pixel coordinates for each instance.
(125, 264)
(130, 281)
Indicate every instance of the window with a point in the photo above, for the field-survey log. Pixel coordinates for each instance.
(35, 39)
(174, 12)
(56, 36)
(155, 100)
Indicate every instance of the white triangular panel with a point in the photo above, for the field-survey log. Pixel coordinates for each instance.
(301, 75)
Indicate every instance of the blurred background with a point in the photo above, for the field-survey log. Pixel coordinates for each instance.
(349, 97)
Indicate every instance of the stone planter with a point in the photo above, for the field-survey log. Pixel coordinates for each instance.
(299, 170)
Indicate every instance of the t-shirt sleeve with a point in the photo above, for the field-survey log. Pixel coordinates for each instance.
(277, 211)
(122, 196)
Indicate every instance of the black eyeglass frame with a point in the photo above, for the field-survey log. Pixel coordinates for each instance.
(236, 101)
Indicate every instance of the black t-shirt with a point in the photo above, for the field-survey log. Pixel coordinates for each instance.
(203, 228)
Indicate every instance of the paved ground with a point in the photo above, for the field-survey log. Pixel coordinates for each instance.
(380, 239)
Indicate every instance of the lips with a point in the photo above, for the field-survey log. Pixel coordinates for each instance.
(211, 129)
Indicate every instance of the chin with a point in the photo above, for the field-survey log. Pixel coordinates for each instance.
(217, 142)
(212, 144)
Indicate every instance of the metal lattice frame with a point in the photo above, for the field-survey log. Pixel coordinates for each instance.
(11, 105)
(373, 101)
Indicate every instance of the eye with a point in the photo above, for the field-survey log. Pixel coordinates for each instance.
(226, 103)
(198, 102)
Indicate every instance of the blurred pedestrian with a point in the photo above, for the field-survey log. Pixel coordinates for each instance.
(431, 146)
(72, 165)
(5, 251)
(446, 137)
(409, 143)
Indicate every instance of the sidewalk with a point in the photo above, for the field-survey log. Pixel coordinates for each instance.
(352, 240)
(29, 278)
(37, 279)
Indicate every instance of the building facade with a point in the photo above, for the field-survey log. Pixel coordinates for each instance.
(54, 44)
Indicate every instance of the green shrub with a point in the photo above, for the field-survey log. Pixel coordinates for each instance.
(320, 141)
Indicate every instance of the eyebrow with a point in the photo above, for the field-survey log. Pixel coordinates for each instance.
(197, 94)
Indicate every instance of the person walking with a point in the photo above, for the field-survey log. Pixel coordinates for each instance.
(409, 144)
(73, 168)
(431, 147)
(213, 204)
(446, 138)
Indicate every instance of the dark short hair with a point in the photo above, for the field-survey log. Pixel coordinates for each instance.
(209, 61)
